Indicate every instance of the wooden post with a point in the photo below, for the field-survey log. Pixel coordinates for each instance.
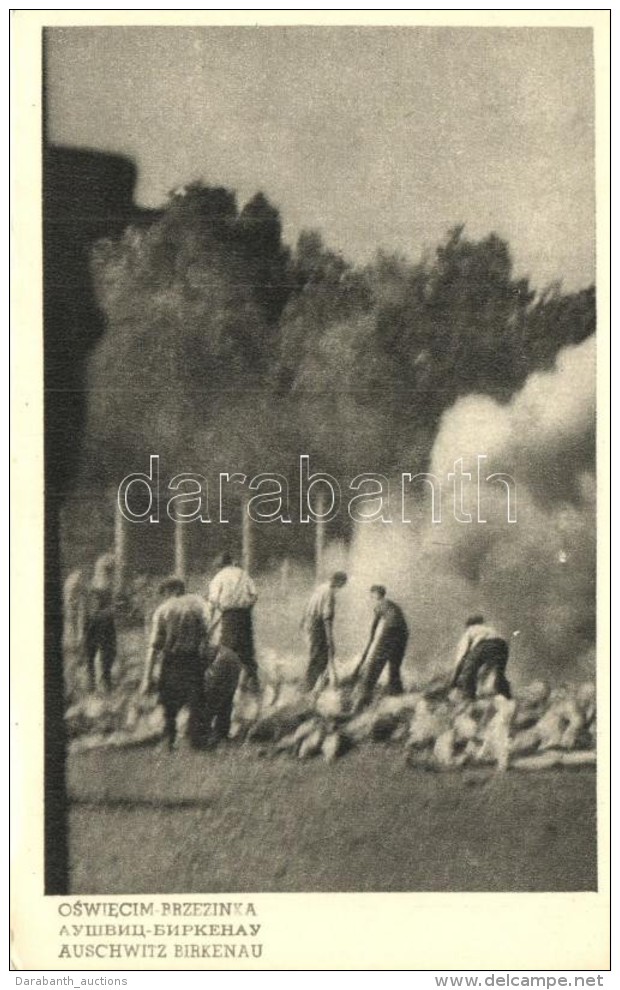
(121, 533)
(180, 549)
(319, 539)
(285, 572)
(246, 537)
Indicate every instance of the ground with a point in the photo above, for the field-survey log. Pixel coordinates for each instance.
(143, 820)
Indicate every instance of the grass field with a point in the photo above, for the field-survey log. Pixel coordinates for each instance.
(144, 820)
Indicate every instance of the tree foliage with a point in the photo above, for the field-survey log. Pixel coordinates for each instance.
(224, 346)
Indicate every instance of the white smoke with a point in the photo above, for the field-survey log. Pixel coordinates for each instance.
(535, 576)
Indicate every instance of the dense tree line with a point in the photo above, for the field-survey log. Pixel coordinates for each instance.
(227, 349)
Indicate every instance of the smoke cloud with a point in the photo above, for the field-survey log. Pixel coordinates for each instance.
(534, 578)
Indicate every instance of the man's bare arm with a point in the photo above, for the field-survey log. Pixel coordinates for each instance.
(461, 654)
(157, 639)
(252, 592)
(147, 676)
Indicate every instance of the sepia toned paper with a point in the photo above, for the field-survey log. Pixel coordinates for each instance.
(307, 925)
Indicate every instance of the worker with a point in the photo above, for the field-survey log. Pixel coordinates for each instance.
(73, 602)
(220, 685)
(481, 648)
(180, 638)
(232, 593)
(99, 624)
(318, 624)
(386, 646)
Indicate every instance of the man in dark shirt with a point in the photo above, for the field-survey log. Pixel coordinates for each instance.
(386, 645)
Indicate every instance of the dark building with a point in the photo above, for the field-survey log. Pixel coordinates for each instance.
(86, 195)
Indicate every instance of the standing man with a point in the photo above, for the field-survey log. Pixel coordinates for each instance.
(220, 682)
(233, 593)
(480, 647)
(318, 623)
(180, 634)
(386, 644)
(99, 624)
(73, 601)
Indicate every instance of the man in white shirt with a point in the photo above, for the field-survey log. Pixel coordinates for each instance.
(480, 647)
(318, 622)
(233, 594)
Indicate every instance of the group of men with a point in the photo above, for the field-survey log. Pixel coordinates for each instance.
(196, 673)
(385, 647)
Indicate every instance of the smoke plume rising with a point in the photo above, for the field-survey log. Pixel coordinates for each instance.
(534, 578)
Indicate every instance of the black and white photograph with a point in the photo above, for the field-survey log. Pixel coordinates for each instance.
(319, 351)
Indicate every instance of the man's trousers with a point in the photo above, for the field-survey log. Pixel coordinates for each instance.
(489, 655)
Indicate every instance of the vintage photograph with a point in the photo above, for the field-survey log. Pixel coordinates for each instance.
(320, 319)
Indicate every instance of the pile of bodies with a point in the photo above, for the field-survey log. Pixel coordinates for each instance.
(435, 728)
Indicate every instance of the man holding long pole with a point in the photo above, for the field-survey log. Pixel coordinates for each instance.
(386, 646)
(318, 623)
